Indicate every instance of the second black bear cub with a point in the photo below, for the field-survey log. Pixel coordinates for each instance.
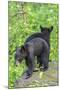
(35, 47)
(44, 34)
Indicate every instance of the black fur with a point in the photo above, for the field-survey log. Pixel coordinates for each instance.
(44, 34)
(35, 47)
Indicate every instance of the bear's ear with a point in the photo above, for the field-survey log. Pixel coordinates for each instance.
(41, 28)
(17, 47)
(51, 28)
(22, 49)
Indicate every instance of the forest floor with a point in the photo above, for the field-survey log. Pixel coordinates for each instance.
(40, 79)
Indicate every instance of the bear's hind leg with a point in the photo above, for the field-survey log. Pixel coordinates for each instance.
(45, 61)
(39, 61)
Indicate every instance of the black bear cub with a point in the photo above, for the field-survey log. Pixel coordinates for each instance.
(44, 34)
(35, 47)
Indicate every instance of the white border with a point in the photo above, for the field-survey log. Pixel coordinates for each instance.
(41, 1)
(4, 43)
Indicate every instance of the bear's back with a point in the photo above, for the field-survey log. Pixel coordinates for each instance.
(37, 45)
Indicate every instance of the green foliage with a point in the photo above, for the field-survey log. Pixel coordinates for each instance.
(25, 19)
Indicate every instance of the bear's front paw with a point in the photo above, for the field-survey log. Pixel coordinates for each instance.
(28, 75)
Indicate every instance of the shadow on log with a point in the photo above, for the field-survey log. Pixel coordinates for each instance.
(40, 79)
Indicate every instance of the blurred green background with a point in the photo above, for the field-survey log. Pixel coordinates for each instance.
(25, 19)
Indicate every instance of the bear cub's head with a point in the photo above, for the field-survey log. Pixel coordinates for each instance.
(20, 54)
(46, 29)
